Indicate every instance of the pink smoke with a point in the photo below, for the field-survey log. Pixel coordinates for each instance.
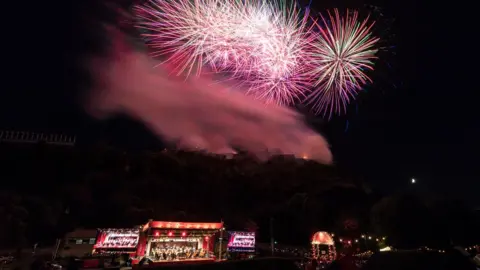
(197, 112)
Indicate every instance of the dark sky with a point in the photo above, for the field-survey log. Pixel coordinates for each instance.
(419, 122)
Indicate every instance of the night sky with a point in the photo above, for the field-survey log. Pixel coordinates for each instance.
(417, 120)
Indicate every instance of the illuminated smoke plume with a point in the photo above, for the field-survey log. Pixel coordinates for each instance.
(197, 112)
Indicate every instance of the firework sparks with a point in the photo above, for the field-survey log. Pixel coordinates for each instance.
(345, 48)
(281, 74)
(217, 33)
(260, 45)
(269, 48)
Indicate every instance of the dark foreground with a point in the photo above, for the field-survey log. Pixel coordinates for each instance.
(379, 261)
(260, 264)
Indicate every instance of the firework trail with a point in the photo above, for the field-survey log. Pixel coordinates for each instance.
(196, 112)
(343, 51)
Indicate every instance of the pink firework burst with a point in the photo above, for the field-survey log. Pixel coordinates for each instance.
(261, 45)
(192, 34)
(344, 50)
(280, 72)
(181, 31)
(268, 48)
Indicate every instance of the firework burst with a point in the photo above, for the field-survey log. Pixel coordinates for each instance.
(270, 49)
(279, 73)
(180, 30)
(261, 45)
(342, 53)
(192, 34)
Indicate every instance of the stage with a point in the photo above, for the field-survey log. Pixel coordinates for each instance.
(176, 262)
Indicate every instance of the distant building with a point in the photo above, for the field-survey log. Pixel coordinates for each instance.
(78, 243)
(11, 136)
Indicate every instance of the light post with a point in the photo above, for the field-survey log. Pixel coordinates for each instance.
(220, 244)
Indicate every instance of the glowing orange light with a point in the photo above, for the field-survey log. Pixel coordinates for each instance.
(322, 238)
(185, 225)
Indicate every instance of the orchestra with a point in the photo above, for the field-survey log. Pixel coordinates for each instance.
(170, 252)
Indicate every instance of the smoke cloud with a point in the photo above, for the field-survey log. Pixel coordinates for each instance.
(197, 112)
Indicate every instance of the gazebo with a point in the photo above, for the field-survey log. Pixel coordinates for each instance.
(323, 247)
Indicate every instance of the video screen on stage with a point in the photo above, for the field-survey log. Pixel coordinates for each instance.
(241, 242)
(117, 238)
